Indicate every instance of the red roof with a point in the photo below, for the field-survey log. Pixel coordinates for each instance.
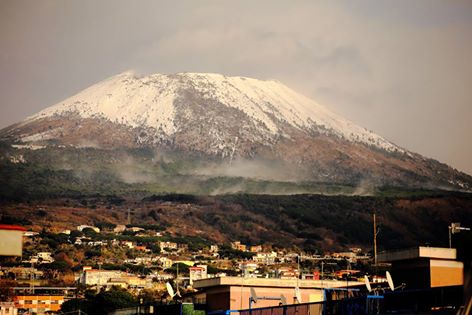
(11, 227)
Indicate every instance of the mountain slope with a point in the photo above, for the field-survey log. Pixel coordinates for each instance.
(234, 125)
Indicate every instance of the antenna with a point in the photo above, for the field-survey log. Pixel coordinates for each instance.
(253, 295)
(298, 295)
(177, 282)
(170, 290)
(254, 298)
(367, 283)
(390, 281)
(283, 299)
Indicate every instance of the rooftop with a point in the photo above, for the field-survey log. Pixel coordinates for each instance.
(418, 252)
(272, 282)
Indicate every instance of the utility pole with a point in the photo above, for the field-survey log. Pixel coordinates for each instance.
(322, 272)
(32, 277)
(375, 240)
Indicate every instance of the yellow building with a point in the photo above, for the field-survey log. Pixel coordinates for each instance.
(39, 304)
(425, 267)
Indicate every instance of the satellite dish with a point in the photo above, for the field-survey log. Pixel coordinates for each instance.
(298, 295)
(367, 283)
(390, 281)
(283, 299)
(170, 290)
(253, 295)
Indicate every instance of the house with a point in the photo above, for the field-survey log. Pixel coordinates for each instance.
(83, 227)
(22, 273)
(8, 308)
(255, 248)
(164, 276)
(182, 247)
(42, 258)
(142, 248)
(248, 267)
(119, 228)
(94, 277)
(165, 262)
(238, 246)
(39, 304)
(127, 282)
(198, 272)
(135, 229)
(265, 258)
(128, 244)
(311, 276)
(30, 234)
(167, 245)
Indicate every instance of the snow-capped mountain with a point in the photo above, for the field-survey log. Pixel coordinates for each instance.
(153, 102)
(226, 119)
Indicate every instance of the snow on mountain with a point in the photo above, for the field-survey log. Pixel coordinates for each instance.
(226, 122)
(149, 102)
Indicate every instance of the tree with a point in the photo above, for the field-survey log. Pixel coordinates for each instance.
(101, 303)
(113, 299)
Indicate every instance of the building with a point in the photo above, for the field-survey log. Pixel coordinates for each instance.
(30, 234)
(197, 273)
(8, 308)
(248, 267)
(432, 273)
(165, 262)
(167, 245)
(265, 258)
(255, 248)
(425, 267)
(45, 257)
(11, 240)
(95, 277)
(120, 228)
(21, 273)
(39, 304)
(238, 246)
(83, 227)
(127, 282)
(128, 244)
(135, 229)
(182, 247)
(233, 293)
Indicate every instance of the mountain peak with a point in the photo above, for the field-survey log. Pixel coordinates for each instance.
(228, 118)
(150, 101)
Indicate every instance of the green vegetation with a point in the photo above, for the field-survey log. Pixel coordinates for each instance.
(75, 173)
(101, 303)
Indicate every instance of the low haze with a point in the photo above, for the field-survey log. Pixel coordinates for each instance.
(400, 68)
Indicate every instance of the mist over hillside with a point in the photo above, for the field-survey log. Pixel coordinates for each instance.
(209, 134)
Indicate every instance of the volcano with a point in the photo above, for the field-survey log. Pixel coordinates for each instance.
(232, 127)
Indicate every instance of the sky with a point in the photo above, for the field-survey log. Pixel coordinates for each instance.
(400, 68)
